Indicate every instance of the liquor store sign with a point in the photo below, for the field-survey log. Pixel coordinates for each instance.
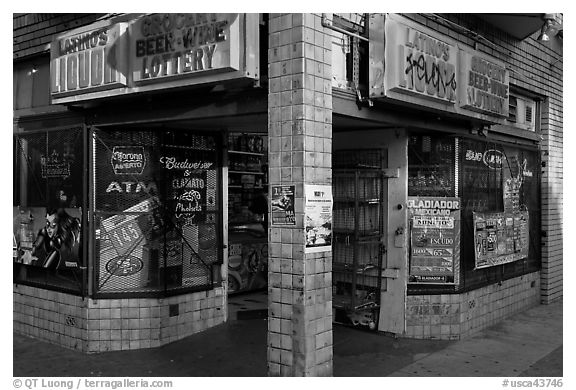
(149, 52)
(412, 64)
(170, 46)
(88, 61)
(484, 84)
(420, 63)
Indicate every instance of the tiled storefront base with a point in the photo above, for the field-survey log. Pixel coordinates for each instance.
(114, 324)
(457, 316)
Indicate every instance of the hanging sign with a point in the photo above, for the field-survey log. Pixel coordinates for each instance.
(135, 53)
(419, 62)
(500, 238)
(484, 84)
(282, 203)
(86, 61)
(172, 46)
(434, 240)
(318, 218)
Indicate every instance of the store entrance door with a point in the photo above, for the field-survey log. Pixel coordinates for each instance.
(359, 250)
(369, 251)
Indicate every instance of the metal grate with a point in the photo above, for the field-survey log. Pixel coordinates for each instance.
(482, 168)
(158, 228)
(431, 170)
(364, 159)
(358, 229)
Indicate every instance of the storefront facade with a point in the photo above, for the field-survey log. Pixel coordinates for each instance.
(137, 182)
(410, 173)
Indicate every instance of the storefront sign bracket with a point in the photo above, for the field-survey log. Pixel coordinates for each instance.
(327, 22)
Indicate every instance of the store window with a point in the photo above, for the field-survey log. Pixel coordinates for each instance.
(157, 213)
(47, 209)
(500, 212)
(474, 213)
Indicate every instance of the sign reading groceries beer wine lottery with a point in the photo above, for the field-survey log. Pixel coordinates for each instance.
(120, 56)
(434, 239)
(168, 46)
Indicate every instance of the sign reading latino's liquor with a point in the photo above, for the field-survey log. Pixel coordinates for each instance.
(414, 64)
(141, 53)
(172, 46)
(420, 63)
(88, 61)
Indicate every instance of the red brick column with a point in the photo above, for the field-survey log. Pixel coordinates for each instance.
(300, 147)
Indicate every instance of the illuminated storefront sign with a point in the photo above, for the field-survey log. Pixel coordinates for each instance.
(412, 64)
(484, 86)
(419, 63)
(151, 52)
(170, 46)
(88, 61)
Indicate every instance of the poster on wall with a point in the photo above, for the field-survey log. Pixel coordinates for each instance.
(500, 238)
(318, 218)
(282, 203)
(434, 240)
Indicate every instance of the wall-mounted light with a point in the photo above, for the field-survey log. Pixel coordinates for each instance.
(33, 70)
(550, 28)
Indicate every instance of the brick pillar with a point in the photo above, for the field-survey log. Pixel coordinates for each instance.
(551, 285)
(300, 147)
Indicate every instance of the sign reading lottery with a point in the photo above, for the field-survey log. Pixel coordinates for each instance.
(171, 46)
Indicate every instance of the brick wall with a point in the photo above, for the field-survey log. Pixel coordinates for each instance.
(114, 324)
(457, 316)
(33, 32)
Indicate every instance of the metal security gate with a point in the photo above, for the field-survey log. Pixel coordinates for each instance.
(359, 229)
(157, 211)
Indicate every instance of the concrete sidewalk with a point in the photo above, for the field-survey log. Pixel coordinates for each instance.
(527, 344)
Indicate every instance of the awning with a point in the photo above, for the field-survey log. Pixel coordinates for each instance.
(519, 26)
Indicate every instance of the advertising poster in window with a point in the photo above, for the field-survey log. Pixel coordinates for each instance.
(157, 209)
(434, 240)
(47, 211)
(500, 238)
(282, 203)
(318, 218)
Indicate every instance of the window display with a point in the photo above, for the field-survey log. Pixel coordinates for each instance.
(247, 211)
(157, 221)
(497, 188)
(47, 213)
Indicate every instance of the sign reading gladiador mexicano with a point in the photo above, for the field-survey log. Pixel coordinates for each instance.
(484, 84)
(434, 240)
(169, 46)
(88, 61)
